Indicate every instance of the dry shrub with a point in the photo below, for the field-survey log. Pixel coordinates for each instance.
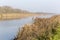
(41, 29)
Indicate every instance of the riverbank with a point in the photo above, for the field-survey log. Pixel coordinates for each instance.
(10, 16)
(41, 29)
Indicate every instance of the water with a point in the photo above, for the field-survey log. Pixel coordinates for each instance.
(9, 28)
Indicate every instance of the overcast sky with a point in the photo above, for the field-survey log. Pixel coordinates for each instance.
(51, 6)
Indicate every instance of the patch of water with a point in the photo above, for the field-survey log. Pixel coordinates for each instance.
(8, 29)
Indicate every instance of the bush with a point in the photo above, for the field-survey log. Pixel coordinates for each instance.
(41, 29)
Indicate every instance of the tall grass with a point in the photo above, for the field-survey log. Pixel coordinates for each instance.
(41, 29)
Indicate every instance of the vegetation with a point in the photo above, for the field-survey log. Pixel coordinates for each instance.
(7, 9)
(9, 13)
(41, 29)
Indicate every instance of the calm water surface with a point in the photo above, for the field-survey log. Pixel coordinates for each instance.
(9, 28)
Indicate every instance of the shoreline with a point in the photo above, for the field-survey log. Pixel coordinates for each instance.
(12, 16)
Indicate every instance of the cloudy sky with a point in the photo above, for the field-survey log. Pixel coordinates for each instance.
(51, 6)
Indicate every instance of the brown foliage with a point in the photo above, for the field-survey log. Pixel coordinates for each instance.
(41, 29)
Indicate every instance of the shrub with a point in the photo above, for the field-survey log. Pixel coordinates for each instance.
(41, 29)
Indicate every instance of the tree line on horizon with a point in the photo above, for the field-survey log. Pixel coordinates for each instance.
(8, 9)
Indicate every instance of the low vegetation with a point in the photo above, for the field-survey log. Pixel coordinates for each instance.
(41, 29)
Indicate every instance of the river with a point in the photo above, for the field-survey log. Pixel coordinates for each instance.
(9, 28)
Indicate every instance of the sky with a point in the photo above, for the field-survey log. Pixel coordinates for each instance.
(50, 6)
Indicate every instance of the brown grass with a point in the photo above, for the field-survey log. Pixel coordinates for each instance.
(41, 29)
(7, 16)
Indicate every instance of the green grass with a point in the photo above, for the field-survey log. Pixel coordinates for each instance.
(57, 36)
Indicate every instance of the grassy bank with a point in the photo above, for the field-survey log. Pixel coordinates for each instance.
(41, 29)
(10, 16)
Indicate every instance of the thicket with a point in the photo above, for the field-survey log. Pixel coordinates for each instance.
(41, 29)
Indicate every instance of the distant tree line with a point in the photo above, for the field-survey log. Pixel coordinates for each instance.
(7, 9)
